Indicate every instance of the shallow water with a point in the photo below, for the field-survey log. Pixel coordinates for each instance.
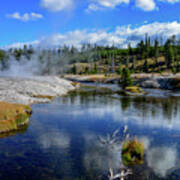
(61, 141)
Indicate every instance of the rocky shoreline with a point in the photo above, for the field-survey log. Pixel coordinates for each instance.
(155, 81)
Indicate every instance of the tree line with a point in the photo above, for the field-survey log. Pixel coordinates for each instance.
(149, 55)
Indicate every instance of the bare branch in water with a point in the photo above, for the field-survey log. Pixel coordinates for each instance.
(114, 139)
(124, 173)
(115, 133)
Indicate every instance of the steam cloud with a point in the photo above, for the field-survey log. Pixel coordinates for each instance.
(36, 61)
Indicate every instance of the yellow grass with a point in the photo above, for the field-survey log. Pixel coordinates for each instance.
(12, 116)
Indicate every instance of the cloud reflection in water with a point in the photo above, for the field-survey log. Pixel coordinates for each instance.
(57, 139)
(162, 159)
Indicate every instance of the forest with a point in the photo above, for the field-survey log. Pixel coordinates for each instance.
(149, 55)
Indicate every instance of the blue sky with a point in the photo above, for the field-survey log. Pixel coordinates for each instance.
(105, 21)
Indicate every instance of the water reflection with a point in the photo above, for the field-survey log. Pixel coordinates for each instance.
(62, 139)
(150, 111)
(100, 157)
(51, 139)
(21, 130)
(162, 159)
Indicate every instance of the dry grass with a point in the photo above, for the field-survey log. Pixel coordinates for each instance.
(44, 97)
(12, 116)
(134, 89)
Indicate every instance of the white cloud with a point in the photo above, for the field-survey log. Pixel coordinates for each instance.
(101, 4)
(57, 5)
(120, 37)
(21, 44)
(171, 1)
(94, 7)
(111, 3)
(25, 17)
(79, 37)
(159, 29)
(146, 5)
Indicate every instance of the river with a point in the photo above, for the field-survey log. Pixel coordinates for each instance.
(61, 141)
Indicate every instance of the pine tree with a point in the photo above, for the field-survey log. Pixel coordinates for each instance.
(126, 78)
(169, 54)
(127, 61)
(112, 63)
(134, 64)
(156, 51)
(130, 50)
(87, 70)
(120, 70)
(95, 70)
(147, 46)
(141, 49)
(146, 66)
(74, 69)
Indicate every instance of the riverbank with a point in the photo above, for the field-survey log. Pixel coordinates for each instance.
(13, 116)
(155, 80)
(17, 94)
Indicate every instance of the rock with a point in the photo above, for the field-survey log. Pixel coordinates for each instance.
(170, 82)
(112, 80)
(151, 83)
(33, 90)
(174, 83)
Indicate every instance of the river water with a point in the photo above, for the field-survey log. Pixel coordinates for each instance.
(61, 141)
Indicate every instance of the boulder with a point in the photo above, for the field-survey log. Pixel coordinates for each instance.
(151, 83)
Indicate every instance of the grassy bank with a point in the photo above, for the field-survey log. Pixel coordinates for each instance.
(13, 116)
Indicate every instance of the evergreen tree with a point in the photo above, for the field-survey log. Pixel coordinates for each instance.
(112, 63)
(3, 60)
(134, 64)
(147, 46)
(169, 53)
(120, 70)
(18, 53)
(74, 69)
(141, 49)
(87, 70)
(126, 78)
(130, 50)
(156, 51)
(2, 55)
(95, 70)
(146, 66)
(127, 61)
